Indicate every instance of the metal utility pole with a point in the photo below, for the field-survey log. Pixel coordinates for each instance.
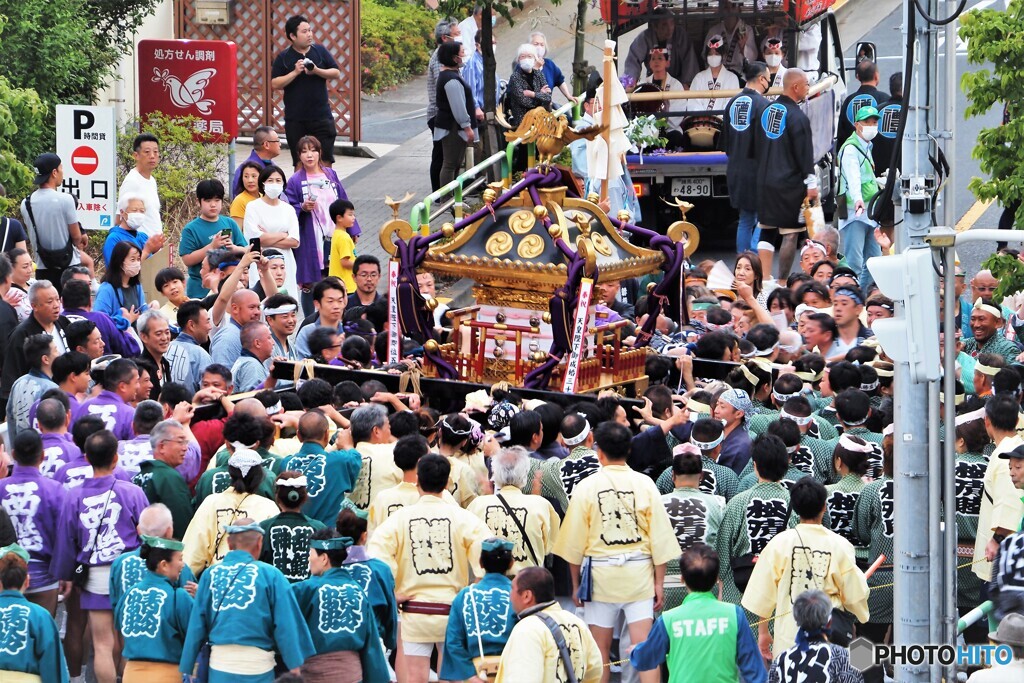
(912, 591)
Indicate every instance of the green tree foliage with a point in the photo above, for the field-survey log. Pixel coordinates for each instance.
(994, 37)
(184, 161)
(23, 130)
(396, 39)
(116, 21)
(52, 48)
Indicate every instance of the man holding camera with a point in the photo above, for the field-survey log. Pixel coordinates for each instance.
(302, 71)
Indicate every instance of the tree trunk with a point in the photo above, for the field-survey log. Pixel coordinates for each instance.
(579, 65)
(488, 131)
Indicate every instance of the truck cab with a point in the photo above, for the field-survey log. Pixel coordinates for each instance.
(696, 174)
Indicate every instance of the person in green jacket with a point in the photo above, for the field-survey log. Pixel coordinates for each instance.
(158, 478)
(857, 187)
(703, 640)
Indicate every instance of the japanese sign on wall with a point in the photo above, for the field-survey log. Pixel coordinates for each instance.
(196, 78)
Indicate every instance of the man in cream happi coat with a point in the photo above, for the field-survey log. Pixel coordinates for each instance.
(429, 547)
(806, 557)
(1001, 506)
(511, 469)
(617, 539)
(531, 653)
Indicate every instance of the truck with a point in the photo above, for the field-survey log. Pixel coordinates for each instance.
(698, 175)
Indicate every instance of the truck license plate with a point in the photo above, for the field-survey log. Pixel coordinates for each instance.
(691, 187)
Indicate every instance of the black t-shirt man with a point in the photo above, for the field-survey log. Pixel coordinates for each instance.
(307, 110)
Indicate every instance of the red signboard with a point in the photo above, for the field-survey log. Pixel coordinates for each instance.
(196, 78)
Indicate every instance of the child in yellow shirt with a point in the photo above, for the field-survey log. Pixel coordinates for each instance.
(343, 249)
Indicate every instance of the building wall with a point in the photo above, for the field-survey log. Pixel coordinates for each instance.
(159, 25)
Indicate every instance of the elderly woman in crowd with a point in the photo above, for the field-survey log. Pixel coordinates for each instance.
(812, 612)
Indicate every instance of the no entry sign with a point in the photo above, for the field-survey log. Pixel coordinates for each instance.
(85, 160)
(86, 145)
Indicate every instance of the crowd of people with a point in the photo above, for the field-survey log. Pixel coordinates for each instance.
(172, 504)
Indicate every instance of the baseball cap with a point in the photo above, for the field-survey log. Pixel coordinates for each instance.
(44, 166)
(867, 112)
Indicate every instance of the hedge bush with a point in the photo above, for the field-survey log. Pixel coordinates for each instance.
(397, 39)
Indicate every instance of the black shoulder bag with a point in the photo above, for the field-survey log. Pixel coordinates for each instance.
(54, 259)
(563, 648)
(522, 530)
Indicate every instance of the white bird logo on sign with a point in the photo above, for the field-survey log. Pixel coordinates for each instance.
(190, 93)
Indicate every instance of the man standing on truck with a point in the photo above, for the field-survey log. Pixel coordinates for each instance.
(740, 41)
(661, 33)
(739, 133)
(868, 95)
(785, 170)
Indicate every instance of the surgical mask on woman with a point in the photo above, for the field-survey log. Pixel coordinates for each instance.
(526, 64)
(273, 190)
(773, 60)
(131, 268)
(714, 61)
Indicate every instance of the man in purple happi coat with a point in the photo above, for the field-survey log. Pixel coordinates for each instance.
(97, 524)
(33, 503)
(120, 386)
(52, 420)
(77, 300)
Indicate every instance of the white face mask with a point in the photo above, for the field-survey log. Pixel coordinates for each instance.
(132, 268)
(714, 61)
(135, 220)
(541, 50)
(526, 65)
(869, 132)
(773, 60)
(273, 190)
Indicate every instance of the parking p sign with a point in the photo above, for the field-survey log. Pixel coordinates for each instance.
(87, 147)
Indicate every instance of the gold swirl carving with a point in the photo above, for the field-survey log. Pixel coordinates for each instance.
(531, 246)
(394, 227)
(499, 244)
(601, 244)
(521, 222)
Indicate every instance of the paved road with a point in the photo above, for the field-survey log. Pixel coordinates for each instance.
(888, 38)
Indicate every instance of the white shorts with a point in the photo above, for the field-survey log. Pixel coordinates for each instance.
(420, 649)
(605, 614)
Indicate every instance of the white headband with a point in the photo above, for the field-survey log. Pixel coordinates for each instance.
(275, 409)
(768, 351)
(847, 442)
(707, 445)
(987, 370)
(287, 308)
(869, 386)
(799, 420)
(992, 310)
(579, 438)
(978, 414)
(297, 482)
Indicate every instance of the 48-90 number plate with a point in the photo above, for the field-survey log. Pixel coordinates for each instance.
(691, 187)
